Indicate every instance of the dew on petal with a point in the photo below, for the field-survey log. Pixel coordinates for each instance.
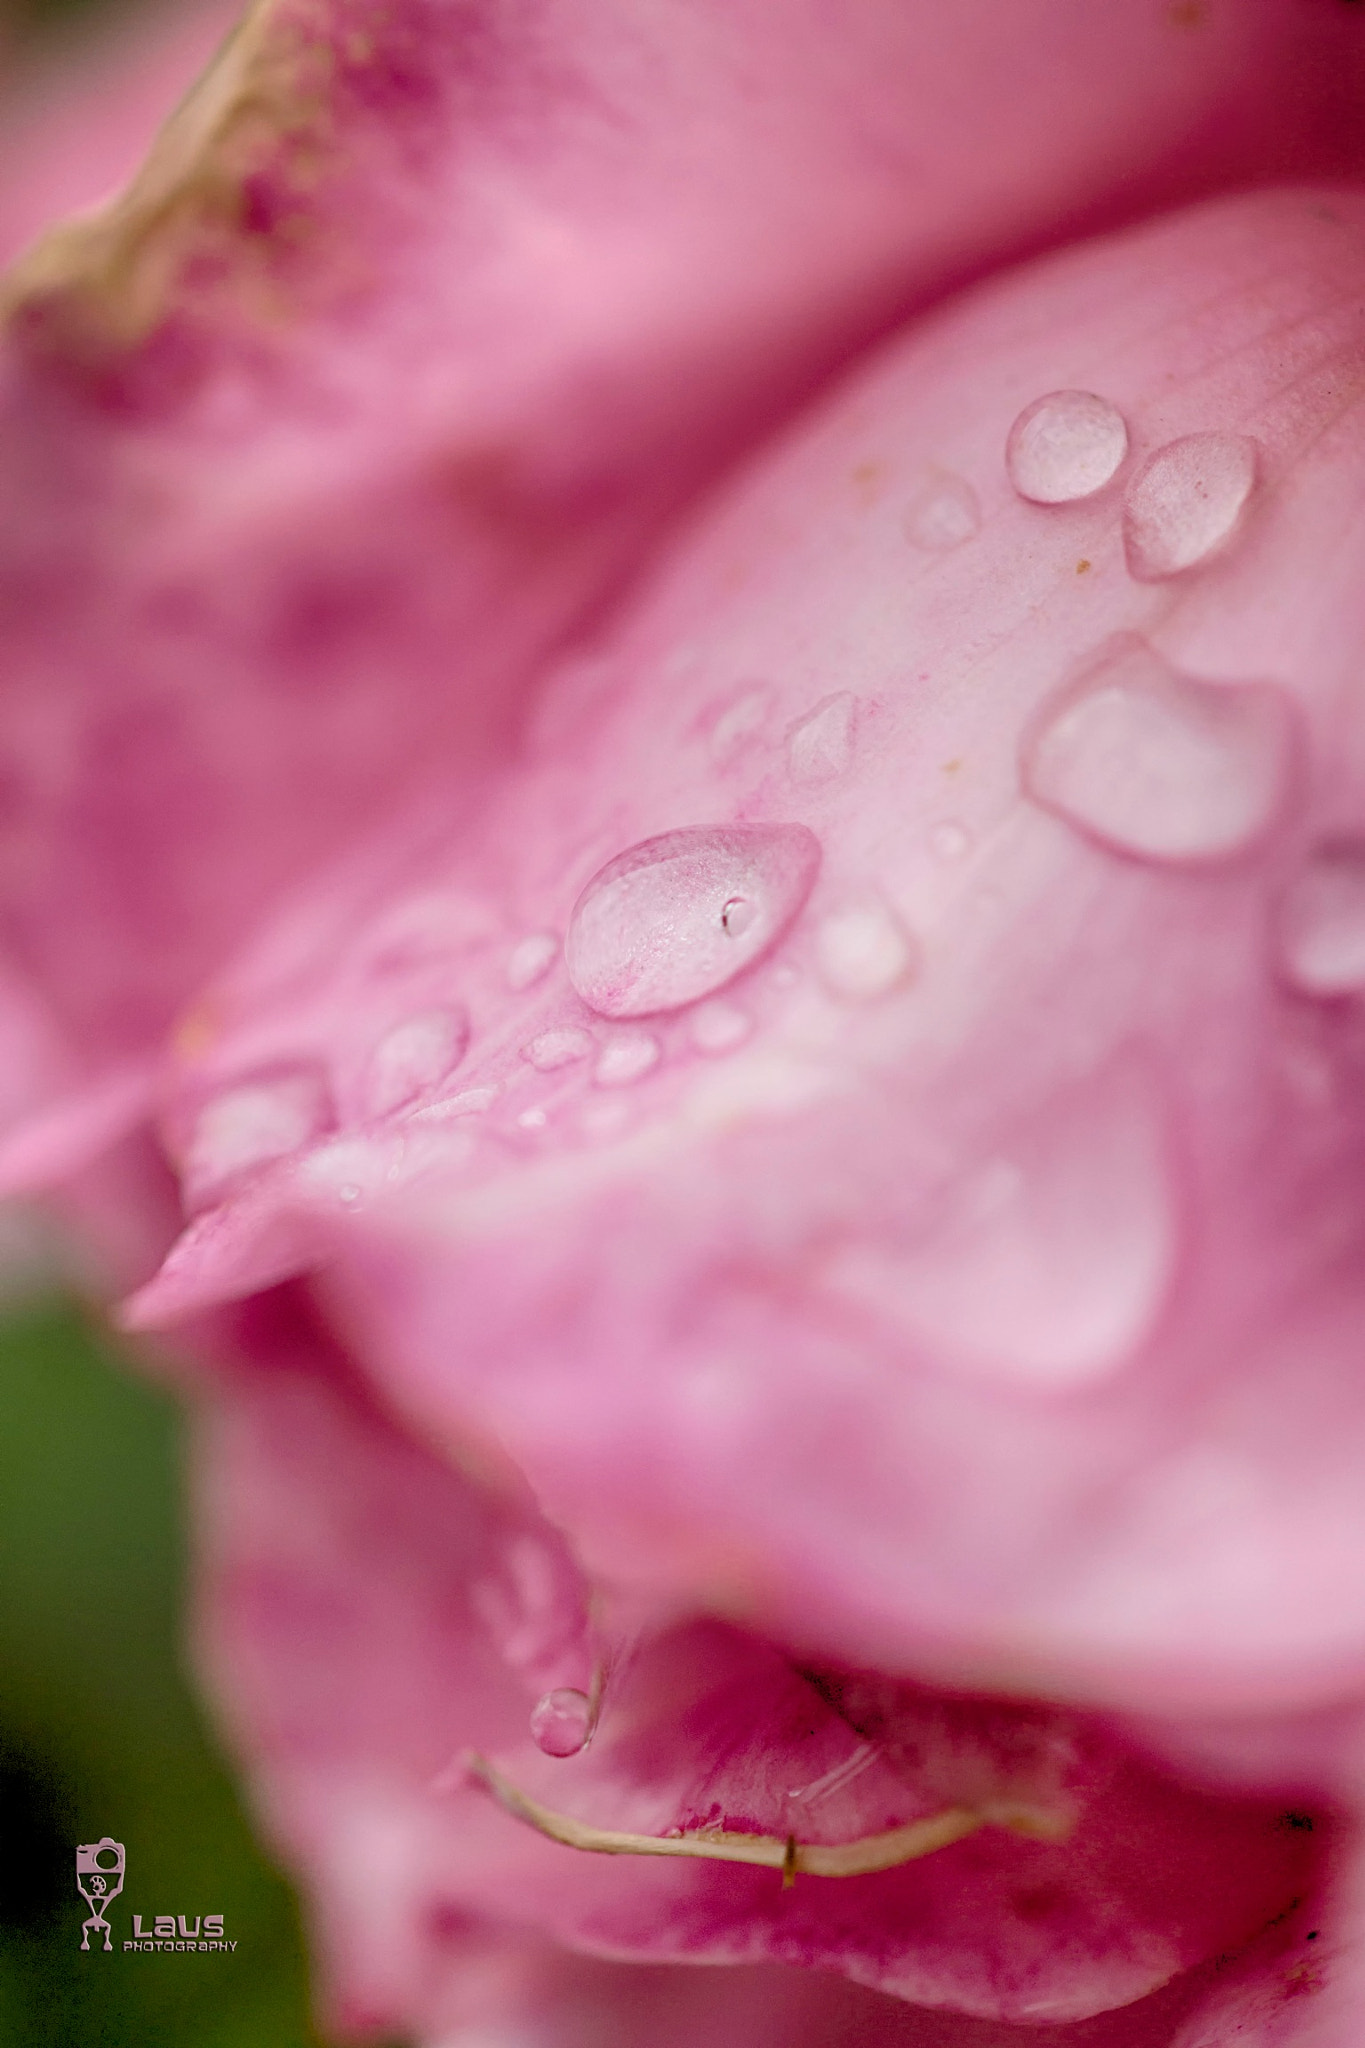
(1049, 1264)
(864, 951)
(949, 841)
(626, 1058)
(1159, 764)
(250, 1124)
(562, 1721)
(469, 1102)
(1065, 446)
(820, 745)
(413, 1058)
(560, 1048)
(531, 960)
(740, 722)
(719, 1027)
(1321, 926)
(943, 515)
(649, 933)
(1186, 502)
(533, 1119)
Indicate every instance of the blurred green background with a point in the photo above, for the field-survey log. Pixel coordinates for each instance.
(100, 1733)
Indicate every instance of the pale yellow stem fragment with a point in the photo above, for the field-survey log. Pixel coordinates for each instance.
(869, 1853)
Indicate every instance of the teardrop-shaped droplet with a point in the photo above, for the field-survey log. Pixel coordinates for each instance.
(562, 1721)
(1186, 502)
(1050, 1263)
(1065, 446)
(864, 950)
(249, 1124)
(413, 1058)
(820, 745)
(943, 515)
(1322, 923)
(650, 931)
(1159, 764)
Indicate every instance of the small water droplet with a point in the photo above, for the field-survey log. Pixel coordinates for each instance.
(467, 1103)
(350, 1193)
(648, 933)
(1186, 502)
(626, 1058)
(943, 515)
(820, 745)
(562, 1721)
(531, 960)
(533, 1119)
(737, 915)
(1049, 1265)
(413, 1058)
(1065, 446)
(1159, 764)
(1322, 922)
(557, 1049)
(250, 1124)
(864, 951)
(950, 841)
(740, 722)
(719, 1027)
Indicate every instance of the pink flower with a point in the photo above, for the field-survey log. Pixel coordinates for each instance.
(742, 925)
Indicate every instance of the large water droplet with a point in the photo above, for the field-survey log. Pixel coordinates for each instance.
(650, 931)
(1322, 922)
(820, 745)
(1049, 1265)
(250, 1124)
(1186, 502)
(559, 1048)
(1160, 764)
(943, 515)
(562, 1721)
(864, 951)
(1065, 446)
(413, 1058)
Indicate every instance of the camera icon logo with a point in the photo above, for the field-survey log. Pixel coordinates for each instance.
(99, 1880)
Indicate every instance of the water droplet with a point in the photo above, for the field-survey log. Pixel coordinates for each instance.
(950, 841)
(531, 960)
(562, 1721)
(467, 1103)
(1160, 764)
(943, 515)
(533, 1119)
(557, 1049)
(249, 1125)
(1322, 923)
(626, 1058)
(864, 951)
(413, 1058)
(719, 1027)
(737, 915)
(1065, 446)
(820, 745)
(648, 933)
(740, 722)
(1048, 1265)
(1186, 502)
